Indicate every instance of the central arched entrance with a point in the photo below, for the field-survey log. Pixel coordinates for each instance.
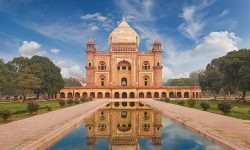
(124, 73)
(124, 95)
(124, 81)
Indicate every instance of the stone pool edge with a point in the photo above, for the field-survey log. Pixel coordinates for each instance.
(212, 138)
(46, 141)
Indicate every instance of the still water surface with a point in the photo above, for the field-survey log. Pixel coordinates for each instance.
(131, 126)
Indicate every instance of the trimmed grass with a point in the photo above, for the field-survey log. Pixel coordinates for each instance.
(19, 109)
(238, 110)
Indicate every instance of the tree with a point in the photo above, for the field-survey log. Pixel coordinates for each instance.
(181, 82)
(6, 78)
(244, 82)
(19, 64)
(235, 69)
(71, 82)
(211, 80)
(194, 76)
(38, 74)
(26, 82)
(49, 74)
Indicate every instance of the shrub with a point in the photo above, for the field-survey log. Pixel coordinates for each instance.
(48, 108)
(62, 103)
(167, 100)
(77, 101)
(32, 106)
(224, 106)
(181, 102)
(191, 103)
(205, 105)
(70, 101)
(91, 98)
(84, 99)
(5, 114)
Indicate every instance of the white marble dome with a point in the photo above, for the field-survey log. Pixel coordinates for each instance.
(124, 34)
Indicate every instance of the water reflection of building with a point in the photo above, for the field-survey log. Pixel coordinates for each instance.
(123, 123)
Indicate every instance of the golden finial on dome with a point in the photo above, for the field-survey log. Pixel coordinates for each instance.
(123, 17)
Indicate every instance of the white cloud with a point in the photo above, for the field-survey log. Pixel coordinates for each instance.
(96, 20)
(192, 26)
(94, 16)
(194, 19)
(94, 28)
(224, 13)
(137, 11)
(168, 73)
(55, 50)
(217, 43)
(60, 63)
(29, 49)
(71, 33)
(72, 71)
(214, 45)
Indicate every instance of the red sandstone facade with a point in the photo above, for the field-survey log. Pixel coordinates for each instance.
(125, 72)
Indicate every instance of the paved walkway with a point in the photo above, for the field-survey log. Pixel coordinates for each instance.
(19, 133)
(233, 131)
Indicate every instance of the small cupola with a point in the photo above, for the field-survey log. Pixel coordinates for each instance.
(91, 45)
(157, 45)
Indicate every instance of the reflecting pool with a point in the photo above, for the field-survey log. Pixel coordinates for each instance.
(131, 125)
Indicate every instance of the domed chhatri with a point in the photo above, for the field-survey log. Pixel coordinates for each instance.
(123, 34)
(90, 42)
(157, 42)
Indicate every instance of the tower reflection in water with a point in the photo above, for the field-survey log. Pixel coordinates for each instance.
(123, 123)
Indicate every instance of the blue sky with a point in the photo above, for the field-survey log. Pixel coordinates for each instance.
(192, 32)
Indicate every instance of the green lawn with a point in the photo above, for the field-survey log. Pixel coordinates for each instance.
(19, 109)
(239, 110)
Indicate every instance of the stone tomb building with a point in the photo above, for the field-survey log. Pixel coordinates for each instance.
(126, 72)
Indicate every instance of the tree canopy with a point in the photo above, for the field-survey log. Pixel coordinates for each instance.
(230, 73)
(71, 82)
(36, 75)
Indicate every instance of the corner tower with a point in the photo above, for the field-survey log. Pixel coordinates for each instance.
(157, 50)
(91, 50)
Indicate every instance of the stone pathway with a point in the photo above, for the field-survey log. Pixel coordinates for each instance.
(19, 133)
(234, 132)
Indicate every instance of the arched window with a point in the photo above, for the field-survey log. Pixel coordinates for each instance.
(124, 66)
(146, 80)
(62, 95)
(158, 64)
(102, 65)
(102, 79)
(102, 82)
(89, 64)
(141, 95)
(146, 65)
